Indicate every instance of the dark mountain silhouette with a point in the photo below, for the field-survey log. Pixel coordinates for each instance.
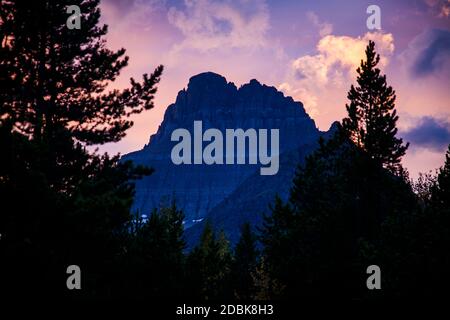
(228, 194)
(250, 200)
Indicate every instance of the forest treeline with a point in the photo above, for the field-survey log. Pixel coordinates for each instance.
(351, 205)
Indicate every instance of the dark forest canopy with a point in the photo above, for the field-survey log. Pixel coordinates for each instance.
(60, 203)
(351, 205)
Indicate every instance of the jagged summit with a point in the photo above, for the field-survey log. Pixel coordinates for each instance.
(206, 77)
(208, 81)
(334, 126)
(209, 95)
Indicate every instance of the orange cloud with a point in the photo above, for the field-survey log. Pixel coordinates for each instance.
(322, 80)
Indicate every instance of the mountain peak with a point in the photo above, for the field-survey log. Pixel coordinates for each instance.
(207, 90)
(255, 82)
(205, 78)
(209, 97)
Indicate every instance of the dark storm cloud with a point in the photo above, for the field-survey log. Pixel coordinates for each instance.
(430, 133)
(433, 52)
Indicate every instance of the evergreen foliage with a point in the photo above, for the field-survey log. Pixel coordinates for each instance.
(351, 204)
(371, 120)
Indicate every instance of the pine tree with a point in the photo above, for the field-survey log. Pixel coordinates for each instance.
(321, 241)
(441, 190)
(372, 117)
(63, 204)
(434, 234)
(266, 287)
(276, 235)
(151, 264)
(244, 264)
(414, 244)
(208, 266)
(55, 79)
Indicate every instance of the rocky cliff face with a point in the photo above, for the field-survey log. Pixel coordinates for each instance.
(199, 188)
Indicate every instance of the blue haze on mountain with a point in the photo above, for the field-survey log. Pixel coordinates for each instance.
(227, 195)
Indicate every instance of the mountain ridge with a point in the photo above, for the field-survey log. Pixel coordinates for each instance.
(209, 97)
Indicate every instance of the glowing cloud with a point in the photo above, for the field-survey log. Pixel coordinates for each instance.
(322, 79)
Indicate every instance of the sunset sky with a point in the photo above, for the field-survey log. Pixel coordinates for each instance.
(308, 49)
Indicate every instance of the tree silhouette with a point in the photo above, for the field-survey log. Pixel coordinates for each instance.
(62, 204)
(372, 118)
(416, 245)
(208, 267)
(152, 260)
(341, 203)
(441, 190)
(244, 264)
(55, 79)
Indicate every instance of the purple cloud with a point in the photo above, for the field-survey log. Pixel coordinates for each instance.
(430, 133)
(433, 51)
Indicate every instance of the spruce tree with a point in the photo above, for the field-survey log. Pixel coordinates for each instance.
(208, 266)
(434, 229)
(415, 244)
(275, 235)
(343, 197)
(152, 260)
(441, 190)
(321, 241)
(372, 117)
(266, 287)
(55, 79)
(244, 264)
(62, 204)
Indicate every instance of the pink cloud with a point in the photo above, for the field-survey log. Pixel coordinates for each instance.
(322, 80)
(241, 40)
(209, 24)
